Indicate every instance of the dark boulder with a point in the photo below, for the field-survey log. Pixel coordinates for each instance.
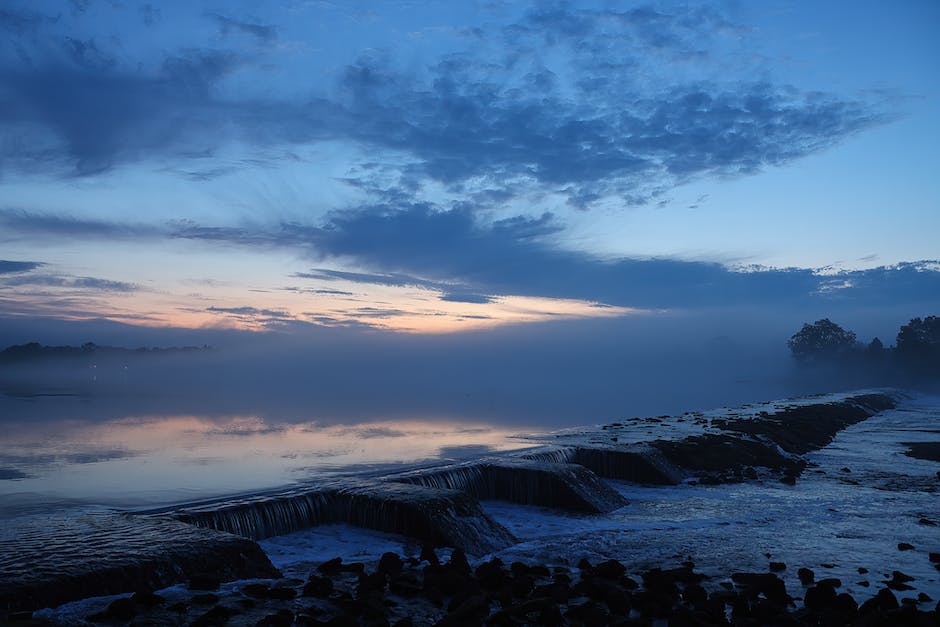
(317, 586)
(806, 576)
(390, 564)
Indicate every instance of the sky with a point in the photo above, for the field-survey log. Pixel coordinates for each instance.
(182, 170)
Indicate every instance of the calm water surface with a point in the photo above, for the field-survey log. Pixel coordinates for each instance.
(146, 460)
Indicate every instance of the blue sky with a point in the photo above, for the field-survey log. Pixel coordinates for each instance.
(431, 167)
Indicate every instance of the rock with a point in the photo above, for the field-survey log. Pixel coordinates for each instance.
(218, 615)
(768, 584)
(405, 584)
(558, 592)
(331, 567)
(658, 581)
(806, 576)
(845, 607)
(458, 561)
(820, 598)
(880, 603)
(862, 570)
(205, 599)
(390, 564)
(904, 546)
(587, 613)
(491, 575)
(428, 554)
(282, 593)
(522, 585)
(899, 576)
(776, 567)
(147, 599)
(899, 581)
(928, 522)
(373, 582)
(923, 597)
(472, 611)
(276, 620)
(204, 581)
(356, 568)
(695, 595)
(611, 569)
(256, 590)
(934, 557)
(23, 616)
(317, 586)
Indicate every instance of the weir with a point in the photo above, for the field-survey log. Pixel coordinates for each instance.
(436, 515)
(522, 480)
(636, 463)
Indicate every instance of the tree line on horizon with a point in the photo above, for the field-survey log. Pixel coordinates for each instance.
(36, 351)
(915, 354)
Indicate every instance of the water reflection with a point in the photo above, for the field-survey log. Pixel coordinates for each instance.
(144, 460)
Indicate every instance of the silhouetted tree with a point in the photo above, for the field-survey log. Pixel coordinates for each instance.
(876, 347)
(823, 339)
(919, 345)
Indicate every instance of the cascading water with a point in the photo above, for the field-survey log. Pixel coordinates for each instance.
(523, 480)
(437, 515)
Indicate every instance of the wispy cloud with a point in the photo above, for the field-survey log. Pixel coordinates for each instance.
(70, 282)
(11, 267)
(263, 32)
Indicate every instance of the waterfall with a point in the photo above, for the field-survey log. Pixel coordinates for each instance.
(636, 463)
(436, 515)
(264, 516)
(522, 480)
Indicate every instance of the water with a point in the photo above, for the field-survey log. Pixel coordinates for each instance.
(136, 461)
(834, 521)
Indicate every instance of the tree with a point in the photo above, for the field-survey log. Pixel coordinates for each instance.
(919, 344)
(823, 339)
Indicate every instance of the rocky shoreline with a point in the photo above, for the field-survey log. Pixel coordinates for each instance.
(428, 590)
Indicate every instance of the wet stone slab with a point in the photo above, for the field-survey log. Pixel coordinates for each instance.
(50, 560)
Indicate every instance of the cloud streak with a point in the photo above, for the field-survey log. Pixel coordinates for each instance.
(14, 267)
(466, 259)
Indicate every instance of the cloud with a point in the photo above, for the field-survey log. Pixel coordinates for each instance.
(18, 222)
(458, 126)
(258, 318)
(227, 25)
(422, 246)
(82, 113)
(492, 117)
(69, 282)
(457, 297)
(466, 259)
(10, 267)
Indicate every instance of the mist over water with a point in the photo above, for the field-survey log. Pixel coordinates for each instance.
(262, 411)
